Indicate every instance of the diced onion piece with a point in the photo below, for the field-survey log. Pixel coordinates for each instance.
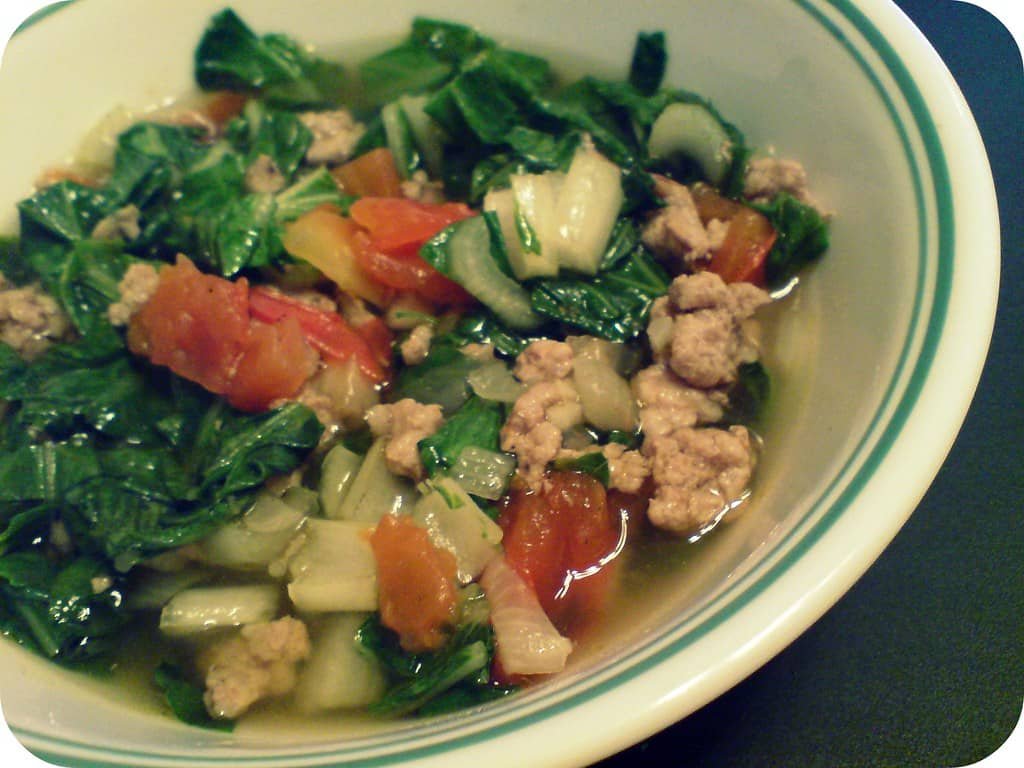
(338, 675)
(335, 569)
(494, 381)
(455, 523)
(197, 610)
(526, 641)
(588, 206)
(338, 470)
(376, 491)
(605, 396)
(482, 472)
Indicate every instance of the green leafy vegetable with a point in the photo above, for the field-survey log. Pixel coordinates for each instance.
(72, 613)
(477, 422)
(593, 463)
(647, 67)
(230, 56)
(433, 682)
(802, 237)
(614, 305)
(186, 699)
(749, 395)
(440, 378)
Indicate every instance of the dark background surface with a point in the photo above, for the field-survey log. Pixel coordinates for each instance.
(922, 662)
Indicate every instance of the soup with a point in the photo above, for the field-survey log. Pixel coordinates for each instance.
(386, 406)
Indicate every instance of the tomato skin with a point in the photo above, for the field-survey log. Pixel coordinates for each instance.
(563, 542)
(330, 242)
(195, 324)
(415, 582)
(275, 364)
(372, 174)
(741, 258)
(401, 226)
(411, 274)
(327, 332)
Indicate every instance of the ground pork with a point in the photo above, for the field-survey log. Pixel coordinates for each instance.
(768, 176)
(419, 187)
(534, 428)
(544, 360)
(698, 475)
(676, 234)
(627, 470)
(700, 330)
(263, 176)
(30, 320)
(335, 134)
(122, 224)
(255, 663)
(668, 403)
(404, 424)
(136, 287)
(416, 347)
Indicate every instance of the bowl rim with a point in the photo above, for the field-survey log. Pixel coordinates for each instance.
(877, 22)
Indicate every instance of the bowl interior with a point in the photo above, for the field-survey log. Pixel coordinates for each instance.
(799, 78)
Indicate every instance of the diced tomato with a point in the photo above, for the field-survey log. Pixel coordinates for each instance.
(222, 106)
(326, 332)
(400, 226)
(275, 364)
(378, 337)
(195, 324)
(741, 257)
(748, 240)
(411, 274)
(415, 584)
(327, 240)
(373, 174)
(563, 542)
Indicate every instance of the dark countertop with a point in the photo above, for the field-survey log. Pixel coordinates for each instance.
(922, 662)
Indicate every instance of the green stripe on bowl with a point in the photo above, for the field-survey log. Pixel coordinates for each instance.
(799, 540)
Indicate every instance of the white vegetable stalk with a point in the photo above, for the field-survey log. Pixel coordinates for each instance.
(588, 205)
(196, 610)
(455, 523)
(337, 473)
(375, 491)
(338, 675)
(335, 569)
(258, 537)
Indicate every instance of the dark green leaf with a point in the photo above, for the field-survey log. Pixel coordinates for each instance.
(647, 67)
(614, 305)
(13, 267)
(186, 699)
(418, 679)
(407, 68)
(477, 422)
(231, 57)
(441, 378)
(803, 237)
(593, 463)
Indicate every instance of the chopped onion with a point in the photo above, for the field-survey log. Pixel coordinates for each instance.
(526, 641)
(482, 472)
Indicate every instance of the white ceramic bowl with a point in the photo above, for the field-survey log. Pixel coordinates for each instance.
(875, 358)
